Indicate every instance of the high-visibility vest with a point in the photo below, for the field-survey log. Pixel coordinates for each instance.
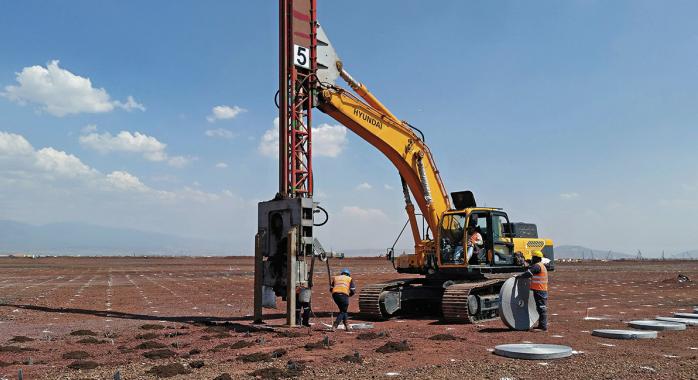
(341, 284)
(540, 281)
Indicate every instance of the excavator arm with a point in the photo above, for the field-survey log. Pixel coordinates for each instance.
(374, 123)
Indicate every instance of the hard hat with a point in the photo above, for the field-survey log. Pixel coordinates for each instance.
(345, 271)
(537, 254)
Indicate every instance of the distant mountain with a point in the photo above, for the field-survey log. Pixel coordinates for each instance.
(579, 252)
(87, 239)
(692, 255)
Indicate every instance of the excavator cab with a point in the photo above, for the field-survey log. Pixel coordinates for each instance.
(476, 239)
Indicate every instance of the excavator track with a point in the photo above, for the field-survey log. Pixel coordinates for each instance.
(454, 304)
(370, 299)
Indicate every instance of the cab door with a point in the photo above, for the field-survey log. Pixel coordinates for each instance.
(502, 246)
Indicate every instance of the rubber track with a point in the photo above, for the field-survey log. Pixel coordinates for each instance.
(454, 303)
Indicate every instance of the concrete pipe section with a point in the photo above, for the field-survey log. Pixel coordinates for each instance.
(517, 309)
(685, 321)
(624, 334)
(686, 315)
(656, 325)
(531, 351)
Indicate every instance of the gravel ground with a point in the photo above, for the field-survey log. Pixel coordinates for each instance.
(196, 312)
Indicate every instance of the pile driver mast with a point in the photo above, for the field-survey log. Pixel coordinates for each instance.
(284, 240)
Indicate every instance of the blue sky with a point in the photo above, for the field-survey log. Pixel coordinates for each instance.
(579, 116)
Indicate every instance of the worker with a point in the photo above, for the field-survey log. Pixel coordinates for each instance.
(303, 297)
(342, 287)
(538, 274)
(474, 241)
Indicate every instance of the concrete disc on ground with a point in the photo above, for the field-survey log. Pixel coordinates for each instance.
(624, 334)
(533, 351)
(656, 325)
(517, 308)
(685, 321)
(686, 315)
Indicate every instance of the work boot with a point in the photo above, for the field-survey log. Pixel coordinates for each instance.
(346, 326)
(334, 326)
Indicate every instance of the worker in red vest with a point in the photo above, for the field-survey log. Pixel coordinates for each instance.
(342, 287)
(539, 285)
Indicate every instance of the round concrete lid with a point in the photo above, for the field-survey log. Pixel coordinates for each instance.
(686, 315)
(533, 351)
(624, 334)
(517, 308)
(685, 321)
(656, 325)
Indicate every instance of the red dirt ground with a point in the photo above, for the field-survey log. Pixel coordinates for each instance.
(178, 300)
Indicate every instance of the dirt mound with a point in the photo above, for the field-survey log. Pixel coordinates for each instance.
(220, 347)
(223, 376)
(15, 349)
(391, 347)
(325, 343)
(91, 340)
(289, 334)
(83, 364)
(194, 351)
(159, 354)
(169, 370)
(175, 334)
(196, 364)
(76, 355)
(21, 339)
(149, 345)
(373, 335)
(150, 335)
(355, 358)
(443, 337)
(262, 356)
(241, 344)
(152, 326)
(83, 333)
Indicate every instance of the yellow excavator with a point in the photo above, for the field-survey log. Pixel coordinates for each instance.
(452, 265)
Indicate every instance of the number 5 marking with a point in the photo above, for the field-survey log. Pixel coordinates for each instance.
(300, 56)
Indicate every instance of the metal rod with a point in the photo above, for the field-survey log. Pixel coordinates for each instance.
(283, 97)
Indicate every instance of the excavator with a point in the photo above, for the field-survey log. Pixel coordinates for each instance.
(453, 275)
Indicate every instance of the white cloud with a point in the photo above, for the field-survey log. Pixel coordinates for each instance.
(224, 113)
(89, 128)
(60, 92)
(221, 165)
(388, 187)
(139, 143)
(61, 163)
(363, 213)
(12, 145)
(364, 186)
(130, 105)
(126, 181)
(220, 132)
(328, 140)
(568, 196)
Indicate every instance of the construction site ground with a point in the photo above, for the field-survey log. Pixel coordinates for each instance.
(86, 318)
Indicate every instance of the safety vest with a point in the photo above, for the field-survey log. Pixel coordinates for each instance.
(540, 281)
(341, 284)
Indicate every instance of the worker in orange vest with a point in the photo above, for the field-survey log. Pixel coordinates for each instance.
(342, 287)
(538, 274)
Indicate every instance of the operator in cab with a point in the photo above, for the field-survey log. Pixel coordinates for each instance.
(538, 274)
(342, 287)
